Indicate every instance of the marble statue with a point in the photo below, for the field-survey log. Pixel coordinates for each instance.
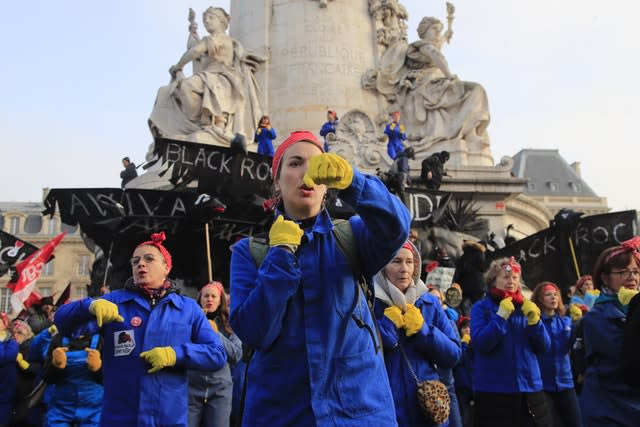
(220, 99)
(440, 111)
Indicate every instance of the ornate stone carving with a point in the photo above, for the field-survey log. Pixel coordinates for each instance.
(390, 21)
(220, 99)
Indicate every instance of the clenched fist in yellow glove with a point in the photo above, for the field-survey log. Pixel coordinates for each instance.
(506, 308)
(105, 312)
(94, 360)
(413, 320)
(532, 311)
(575, 312)
(285, 233)
(394, 314)
(159, 357)
(466, 338)
(53, 329)
(59, 357)
(625, 295)
(329, 169)
(23, 364)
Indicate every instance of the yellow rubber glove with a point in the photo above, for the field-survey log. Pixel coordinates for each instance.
(214, 325)
(413, 320)
(53, 329)
(394, 314)
(59, 357)
(285, 232)
(506, 308)
(595, 292)
(105, 312)
(466, 338)
(575, 312)
(159, 357)
(625, 295)
(23, 364)
(329, 169)
(94, 360)
(532, 311)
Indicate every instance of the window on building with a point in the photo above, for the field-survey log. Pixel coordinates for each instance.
(531, 186)
(47, 270)
(83, 265)
(44, 291)
(553, 186)
(69, 229)
(79, 292)
(33, 224)
(575, 186)
(14, 225)
(5, 303)
(53, 226)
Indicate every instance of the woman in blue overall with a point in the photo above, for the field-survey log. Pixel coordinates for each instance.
(507, 334)
(555, 365)
(152, 335)
(416, 333)
(606, 400)
(75, 367)
(210, 392)
(396, 134)
(329, 127)
(264, 136)
(316, 360)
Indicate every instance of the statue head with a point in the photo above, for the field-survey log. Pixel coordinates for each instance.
(220, 13)
(427, 23)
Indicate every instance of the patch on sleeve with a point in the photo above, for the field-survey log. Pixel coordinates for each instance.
(123, 342)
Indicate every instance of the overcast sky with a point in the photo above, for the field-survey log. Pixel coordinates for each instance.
(79, 79)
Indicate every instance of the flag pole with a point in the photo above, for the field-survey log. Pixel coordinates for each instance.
(573, 257)
(208, 243)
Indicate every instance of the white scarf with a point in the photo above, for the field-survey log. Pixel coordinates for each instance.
(390, 294)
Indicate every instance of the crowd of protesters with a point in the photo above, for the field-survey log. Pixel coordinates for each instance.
(329, 323)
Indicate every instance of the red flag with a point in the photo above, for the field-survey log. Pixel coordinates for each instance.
(34, 298)
(65, 296)
(28, 272)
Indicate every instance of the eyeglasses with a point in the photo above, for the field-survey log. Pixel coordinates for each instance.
(626, 274)
(148, 259)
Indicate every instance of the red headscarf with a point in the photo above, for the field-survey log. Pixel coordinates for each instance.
(632, 245)
(296, 136)
(156, 240)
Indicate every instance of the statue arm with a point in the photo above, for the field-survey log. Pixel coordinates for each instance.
(198, 50)
(437, 59)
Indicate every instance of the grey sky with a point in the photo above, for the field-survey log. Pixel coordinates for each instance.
(79, 79)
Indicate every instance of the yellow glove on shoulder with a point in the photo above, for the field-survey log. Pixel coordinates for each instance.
(94, 360)
(53, 329)
(329, 169)
(413, 320)
(575, 312)
(105, 312)
(532, 311)
(59, 357)
(506, 308)
(23, 364)
(214, 325)
(625, 295)
(466, 338)
(394, 314)
(285, 232)
(159, 357)
(595, 292)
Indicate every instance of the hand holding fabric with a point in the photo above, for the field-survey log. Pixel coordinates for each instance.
(59, 357)
(105, 312)
(394, 314)
(159, 357)
(413, 320)
(575, 312)
(532, 311)
(506, 308)
(94, 360)
(625, 295)
(23, 364)
(284, 232)
(329, 169)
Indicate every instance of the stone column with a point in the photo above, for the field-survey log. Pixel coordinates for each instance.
(315, 53)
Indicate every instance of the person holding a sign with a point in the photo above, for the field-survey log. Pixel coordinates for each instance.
(416, 333)
(152, 335)
(606, 399)
(507, 335)
(299, 305)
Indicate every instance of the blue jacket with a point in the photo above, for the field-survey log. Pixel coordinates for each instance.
(264, 138)
(436, 343)
(463, 371)
(555, 365)
(313, 365)
(396, 134)
(8, 378)
(605, 399)
(504, 359)
(132, 396)
(327, 128)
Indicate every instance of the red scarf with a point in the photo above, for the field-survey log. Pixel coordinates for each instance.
(499, 294)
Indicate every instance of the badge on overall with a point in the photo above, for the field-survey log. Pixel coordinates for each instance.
(123, 342)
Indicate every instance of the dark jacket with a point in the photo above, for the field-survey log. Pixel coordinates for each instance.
(128, 174)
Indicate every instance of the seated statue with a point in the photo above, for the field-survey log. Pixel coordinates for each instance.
(219, 100)
(437, 106)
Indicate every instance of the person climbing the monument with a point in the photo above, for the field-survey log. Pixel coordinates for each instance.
(129, 171)
(152, 336)
(396, 134)
(317, 359)
(264, 136)
(329, 127)
(432, 169)
(399, 172)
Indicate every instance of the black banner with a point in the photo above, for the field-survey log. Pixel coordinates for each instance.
(547, 254)
(426, 206)
(12, 251)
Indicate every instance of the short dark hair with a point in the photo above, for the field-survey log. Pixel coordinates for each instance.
(126, 159)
